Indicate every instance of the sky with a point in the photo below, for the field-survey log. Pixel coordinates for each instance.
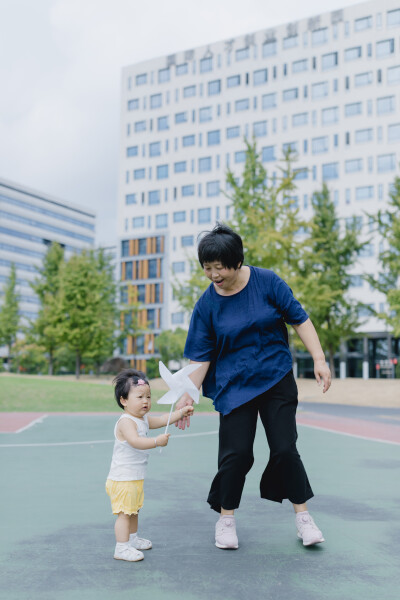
(60, 70)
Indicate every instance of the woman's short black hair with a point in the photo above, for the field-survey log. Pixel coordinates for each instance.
(221, 244)
(124, 381)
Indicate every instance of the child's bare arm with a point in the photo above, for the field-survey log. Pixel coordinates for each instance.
(127, 431)
(157, 422)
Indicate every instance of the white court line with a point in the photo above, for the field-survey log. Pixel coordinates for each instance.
(88, 443)
(32, 423)
(361, 437)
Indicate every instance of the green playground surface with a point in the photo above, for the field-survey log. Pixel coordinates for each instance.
(34, 394)
(57, 536)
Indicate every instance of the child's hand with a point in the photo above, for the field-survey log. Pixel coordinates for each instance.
(162, 440)
(187, 411)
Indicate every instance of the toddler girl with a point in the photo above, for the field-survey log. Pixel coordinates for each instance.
(128, 466)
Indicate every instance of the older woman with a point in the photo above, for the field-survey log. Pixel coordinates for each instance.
(238, 334)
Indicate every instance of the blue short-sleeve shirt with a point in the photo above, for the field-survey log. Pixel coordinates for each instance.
(244, 337)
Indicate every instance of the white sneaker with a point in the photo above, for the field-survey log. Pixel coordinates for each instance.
(127, 552)
(140, 543)
(225, 533)
(307, 529)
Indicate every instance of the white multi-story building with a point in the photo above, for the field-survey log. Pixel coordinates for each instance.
(328, 86)
(29, 222)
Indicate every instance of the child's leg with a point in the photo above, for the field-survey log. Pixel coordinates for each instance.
(122, 528)
(133, 523)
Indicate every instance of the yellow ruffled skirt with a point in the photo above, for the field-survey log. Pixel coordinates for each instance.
(126, 496)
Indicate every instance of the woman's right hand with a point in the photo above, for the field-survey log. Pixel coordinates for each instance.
(185, 400)
(162, 440)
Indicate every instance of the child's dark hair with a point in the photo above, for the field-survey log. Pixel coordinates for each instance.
(124, 381)
(221, 244)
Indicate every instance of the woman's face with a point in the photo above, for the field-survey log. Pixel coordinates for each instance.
(221, 277)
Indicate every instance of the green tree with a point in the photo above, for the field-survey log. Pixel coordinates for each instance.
(323, 276)
(47, 327)
(170, 344)
(388, 224)
(9, 316)
(85, 310)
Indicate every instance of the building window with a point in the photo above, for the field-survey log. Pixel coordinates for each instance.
(243, 104)
(290, 147)
(393, 75)
(353, 109)
(260, 128)
(384, 48)
(155, 149)
(204, 215)
(290, 42)
(393, 17)
(214, 87)
(189, 91)
(352, 53)
(212, 188)
(213, 137)
(269, 48)
(205, 114)
(180, 167)
(140, 126)
(125, 249)
(329, 61)
(133, 104)
(181, 117)
(300, 119)
(319, 36)
(260, 77)
(268, 154)
(319, 90)
(205, 164)
(330, 171)
(320, 145)
(188, 140)
(177, 318)
(161, 221)
(394, 132)
(298, 66)
(363, 79)
(178, 267)
(301, 173)
(137, 222)
(206, 65)
(187, 190)
(240, 156)
(386, 162)
(361, 136)
(269, 101)
(288, 95)
(330, 115)
(385, 105)
(232, 132)
(155, 101)
(182, 69)
(353, 165)
(162, 123)
(162, 172)
(141, 79)
(365, 192)
(363, 23)
(163, 75)
(130, 199)
(242, 53)
(233, 81)
(154, 197)
(132, 151)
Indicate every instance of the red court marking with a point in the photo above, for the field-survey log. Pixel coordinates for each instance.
(13, 422)
(350, 426)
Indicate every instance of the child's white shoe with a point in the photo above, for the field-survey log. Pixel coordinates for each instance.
(124, 551)
(139, 543)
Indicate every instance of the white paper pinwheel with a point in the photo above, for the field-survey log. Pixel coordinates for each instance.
(178, 384)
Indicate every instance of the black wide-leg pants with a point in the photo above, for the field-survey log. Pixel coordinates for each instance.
(284, 475)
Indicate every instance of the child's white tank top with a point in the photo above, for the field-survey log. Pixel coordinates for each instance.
(128, 463)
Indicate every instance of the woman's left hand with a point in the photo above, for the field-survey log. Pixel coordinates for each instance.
(322, 374)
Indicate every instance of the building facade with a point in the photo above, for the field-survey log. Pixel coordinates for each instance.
(327, 86)
(29, 222)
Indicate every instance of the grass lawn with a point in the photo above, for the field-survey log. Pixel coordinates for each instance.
(35, 394)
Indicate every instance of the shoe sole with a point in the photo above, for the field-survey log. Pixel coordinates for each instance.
(313, 542)
(127, 560)
(226, 547)
(143, 549)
